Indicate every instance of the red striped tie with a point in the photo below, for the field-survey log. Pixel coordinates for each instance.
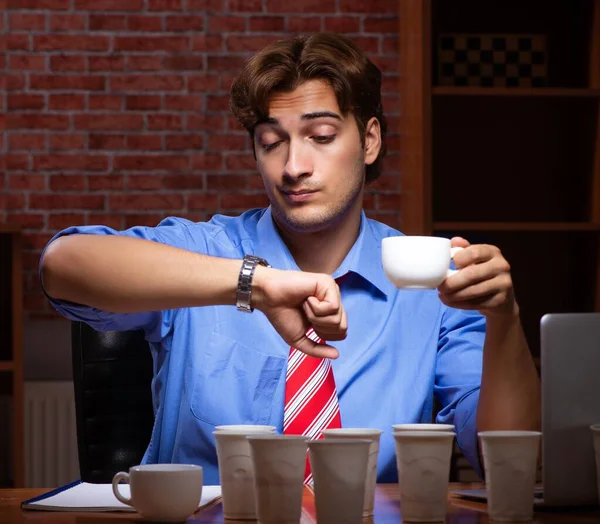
(311, 402)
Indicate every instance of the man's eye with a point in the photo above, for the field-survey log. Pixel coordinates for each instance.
(323, 139)
(271, 146)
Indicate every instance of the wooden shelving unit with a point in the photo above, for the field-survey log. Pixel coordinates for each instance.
(11, 354)
(518, 167)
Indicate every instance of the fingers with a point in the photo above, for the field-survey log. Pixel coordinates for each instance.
(476, 294)
(475, 254)
(475, 272)
(316, 350)
(328, 320)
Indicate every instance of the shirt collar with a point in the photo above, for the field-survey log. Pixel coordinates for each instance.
(364, 258)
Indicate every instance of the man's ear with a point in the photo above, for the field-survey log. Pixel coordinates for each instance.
(372, 140)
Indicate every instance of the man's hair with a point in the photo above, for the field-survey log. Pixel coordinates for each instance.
(284, 65)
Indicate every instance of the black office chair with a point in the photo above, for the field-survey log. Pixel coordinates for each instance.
(112, 374)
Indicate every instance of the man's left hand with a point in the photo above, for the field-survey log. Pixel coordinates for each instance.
(483, 281)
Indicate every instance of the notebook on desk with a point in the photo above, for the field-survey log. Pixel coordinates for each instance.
(86, 497)
(570, 356)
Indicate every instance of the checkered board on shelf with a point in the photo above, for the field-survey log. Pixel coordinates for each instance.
(509, 60)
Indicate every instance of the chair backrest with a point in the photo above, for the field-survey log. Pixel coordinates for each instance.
(112, 374)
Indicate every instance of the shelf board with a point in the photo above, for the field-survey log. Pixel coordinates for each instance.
(516, 226)
(6, 365)
(515, 91)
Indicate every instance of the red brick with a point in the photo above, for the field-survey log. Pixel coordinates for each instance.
(27, 220)
(27, 141)
(249, 6)
(108, 141)
(387, 64)
(146, 82)
(145, 201)
(109, 5)
(296, 24)
(203, 82)
(17, 42)
(109, 122)
(141, 182)
(38, 4)
(225, 63)
(173, 181)
(165, 5)
(184, 63)
(27, 62)
(393, 142)
(185, 23)
(369, 201)
(390, 44)
(342, 24)
(227, 79)
(301, 6)
(266, 23)
(385, 183)
(20, 101)
(36, 241)
(27, 22)
(66, 82)
(106, 182)
(66, 102)
(205, 122)
(12, 201)
(243, 43)
(243, 201)
(390, 84)
(143, 102)
(391, 103)
(145, 63)
(392, 219)
(385, 7)
(381, 25)
(204, 42)
(254, 182)
(207, 6)
(144, 142)
(67, 63)
(67, 161)
(67, 182)
(184, 142)
(37, 121)
(142, 219)
(66, 141)
(66, 201)
(203, 201)
(60, 221)
(144, 23)
(165, 121)
(225, 182)
(370, 44)
(218, 102)
(226, 142)
(109, 220)
(105, 102)
(231, 24)
(206, 162)
(58, 42)
(15, 82)
(240, 162)
(63, 22)
(171, 44)
(16, 161)
(151, 162)
(107, 23)
(233, 124)
(393, 124)
(107, 63)
(37, 302)
(393, 201)
(183, 102)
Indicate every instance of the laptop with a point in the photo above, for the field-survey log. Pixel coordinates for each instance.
(570, 356)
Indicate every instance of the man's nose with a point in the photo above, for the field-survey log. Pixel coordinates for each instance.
(299, 161)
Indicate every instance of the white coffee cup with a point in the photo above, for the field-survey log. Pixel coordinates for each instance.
(422, 426)
(417, 262)
(162, 492)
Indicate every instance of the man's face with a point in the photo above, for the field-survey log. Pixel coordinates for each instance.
(311, 159)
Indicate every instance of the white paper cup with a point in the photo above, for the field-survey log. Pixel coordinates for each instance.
(236, 472)
(339, 469)
(374, 436)
(279, 463)
(162, 492)
(423, 427)
(246, 428)
(423, 461)
(596, 438)
(510, 463)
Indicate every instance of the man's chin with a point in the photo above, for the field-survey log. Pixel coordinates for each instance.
(302, 220)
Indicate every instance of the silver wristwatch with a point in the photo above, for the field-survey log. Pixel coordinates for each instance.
(244, 288)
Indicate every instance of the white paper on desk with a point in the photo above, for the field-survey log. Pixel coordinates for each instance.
(100, 497)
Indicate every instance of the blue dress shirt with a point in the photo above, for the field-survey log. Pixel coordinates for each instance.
(216, 365)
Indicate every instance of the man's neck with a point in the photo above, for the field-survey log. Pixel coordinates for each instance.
(324, 251)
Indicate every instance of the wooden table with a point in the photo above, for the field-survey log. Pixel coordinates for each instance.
(387, 510)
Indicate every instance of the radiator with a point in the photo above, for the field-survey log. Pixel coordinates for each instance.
(50, 434)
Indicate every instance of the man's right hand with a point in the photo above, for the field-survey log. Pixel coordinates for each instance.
(295, 301)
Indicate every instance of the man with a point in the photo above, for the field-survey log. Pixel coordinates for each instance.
(313, 109)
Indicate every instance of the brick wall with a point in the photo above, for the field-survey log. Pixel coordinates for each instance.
(117, 110)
